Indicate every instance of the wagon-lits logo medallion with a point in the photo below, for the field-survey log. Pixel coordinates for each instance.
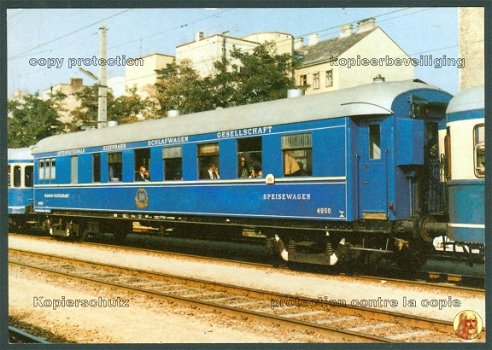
(142, 198)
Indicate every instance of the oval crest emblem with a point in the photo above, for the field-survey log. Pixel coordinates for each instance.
(142, 198)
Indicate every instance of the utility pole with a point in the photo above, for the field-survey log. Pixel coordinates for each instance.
(102, 111)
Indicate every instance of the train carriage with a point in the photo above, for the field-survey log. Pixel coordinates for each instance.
(465, 147)
(20, 186)
(353, 169)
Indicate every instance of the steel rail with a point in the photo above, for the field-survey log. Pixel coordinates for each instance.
(368, 313)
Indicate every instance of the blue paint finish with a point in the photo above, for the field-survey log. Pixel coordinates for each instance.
(465, 115)
(63, 170)
(289, 200)
(228, 159)
(190, 161)
(19, 199)
(104, 168)
(329, 152)
(373, 173)
(410, 142)
(85, 168)
(156, 164)
(272, 156)
(466, 206)
(129, 167)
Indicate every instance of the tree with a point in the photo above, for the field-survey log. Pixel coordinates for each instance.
(124, 109)
(32, 119)
(180, 87)
(260, 75)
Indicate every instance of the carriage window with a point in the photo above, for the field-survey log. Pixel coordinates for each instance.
(208, 161)
(28, 172)
(115, 166)
(173, 163)
(52, 163)
(142, 158)
(447, 154)
(17, 176)
(74, 176)
(249, 158)
(374, 142)
(41, 169)
(297, 154)
(96, 167)
(8, 176)
(479, 150)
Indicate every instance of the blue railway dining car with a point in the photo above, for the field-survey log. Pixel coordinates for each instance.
(465, 147)
(320, 175)
(20, 186)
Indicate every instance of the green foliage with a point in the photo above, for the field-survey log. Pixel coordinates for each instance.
(32, 119)
(124, 109)
(247, 77)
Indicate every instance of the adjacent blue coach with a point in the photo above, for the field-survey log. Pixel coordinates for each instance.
(20, 179)
(352, 168)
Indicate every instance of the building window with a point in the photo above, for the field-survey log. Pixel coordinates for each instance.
(208, 160)
(303, 80)
(329, 78)
(374, 141)
(173, 163)
(479, 150)
(17, 176)
(316, 80)
(249, 158)
(297, 154)
(96, 167)
(28, 179)
(115, 166)
(74, 176)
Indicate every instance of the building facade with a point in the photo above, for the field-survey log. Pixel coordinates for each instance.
(358, 55)
(70, 102)
(144, 77)
(204, 51)
(471, 42)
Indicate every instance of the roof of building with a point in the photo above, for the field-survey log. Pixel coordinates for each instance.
(324, 50)
(370, 99)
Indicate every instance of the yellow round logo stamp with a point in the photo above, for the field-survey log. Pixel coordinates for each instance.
(142, 198)
(468, 325)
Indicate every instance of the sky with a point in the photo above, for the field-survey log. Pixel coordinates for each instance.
(72, 34)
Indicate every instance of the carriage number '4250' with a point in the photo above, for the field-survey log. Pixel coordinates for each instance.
(323, 210)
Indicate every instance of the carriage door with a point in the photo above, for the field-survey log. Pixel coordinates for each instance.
(372, 158)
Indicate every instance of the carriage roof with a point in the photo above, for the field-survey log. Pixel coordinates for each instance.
(370, 99)
(467, 100)
(19, 154)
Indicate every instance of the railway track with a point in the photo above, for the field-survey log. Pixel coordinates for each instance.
(17, 335)
(337, 321)
(427, 278)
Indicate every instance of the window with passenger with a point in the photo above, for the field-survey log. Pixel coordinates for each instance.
(249, 158)
(297, 154)
(208, 161)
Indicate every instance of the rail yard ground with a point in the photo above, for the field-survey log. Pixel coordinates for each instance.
(34, 294)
